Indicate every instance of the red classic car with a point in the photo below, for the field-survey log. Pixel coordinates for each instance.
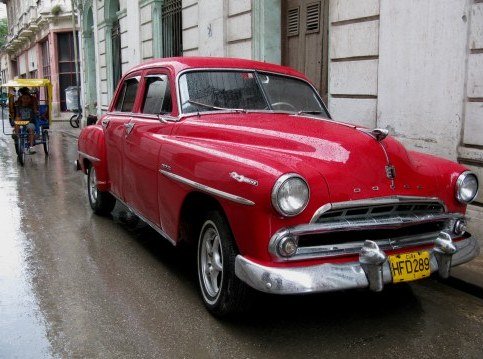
(243, 159)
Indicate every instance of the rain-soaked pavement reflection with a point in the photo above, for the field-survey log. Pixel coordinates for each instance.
(76, 285)
(24, 331)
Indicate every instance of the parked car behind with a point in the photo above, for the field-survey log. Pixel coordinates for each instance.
(243, 159)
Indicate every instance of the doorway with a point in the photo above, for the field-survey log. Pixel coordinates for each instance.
(305, 39)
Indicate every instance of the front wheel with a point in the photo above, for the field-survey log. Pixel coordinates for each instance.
(45, 141)
(20, 149)
(74, 120)
(222, 292)
(102, 203)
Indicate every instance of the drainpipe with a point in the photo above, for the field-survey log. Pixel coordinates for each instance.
(76, 51)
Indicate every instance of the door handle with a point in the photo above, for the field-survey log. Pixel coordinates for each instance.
(128, 127)
(105, 122)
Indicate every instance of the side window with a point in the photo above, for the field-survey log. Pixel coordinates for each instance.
(157, 98)
(127, 96)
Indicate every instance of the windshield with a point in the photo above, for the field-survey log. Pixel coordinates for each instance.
(202, 91)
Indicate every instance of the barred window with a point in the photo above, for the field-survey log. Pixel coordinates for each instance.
(171, 24)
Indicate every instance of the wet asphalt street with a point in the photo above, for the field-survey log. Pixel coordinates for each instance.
(76, 285)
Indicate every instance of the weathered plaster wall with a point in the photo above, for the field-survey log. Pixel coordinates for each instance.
(221, 28)
(422, 62)
(353, 60)
(471, 151)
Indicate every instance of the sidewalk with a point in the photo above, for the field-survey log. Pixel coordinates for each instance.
(469, 273)
(64, 126)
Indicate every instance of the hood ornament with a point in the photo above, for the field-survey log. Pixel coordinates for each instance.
(379, 134)
(390, 172)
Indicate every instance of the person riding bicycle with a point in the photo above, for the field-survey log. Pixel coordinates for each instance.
(25, 111)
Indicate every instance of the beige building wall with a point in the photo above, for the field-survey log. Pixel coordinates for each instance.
(217, 28)
(354, 60)
(415, 68)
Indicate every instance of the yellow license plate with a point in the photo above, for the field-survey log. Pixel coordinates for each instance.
(406, 267)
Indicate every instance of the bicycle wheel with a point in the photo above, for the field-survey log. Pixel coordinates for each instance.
(45, 141)
(15, 142)
(74, 120)
(21, 149)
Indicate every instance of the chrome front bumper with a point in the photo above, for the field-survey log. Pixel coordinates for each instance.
(371, 271)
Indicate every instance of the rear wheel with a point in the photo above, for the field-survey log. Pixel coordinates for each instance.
(102, 203)
(222, 292)
(45, 141)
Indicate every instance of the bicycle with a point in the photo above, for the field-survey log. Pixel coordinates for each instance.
(75, 119)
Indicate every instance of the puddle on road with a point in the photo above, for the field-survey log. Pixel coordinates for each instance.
(23, 332)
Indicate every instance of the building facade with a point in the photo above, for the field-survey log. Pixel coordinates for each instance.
(413, 67)
(40, 44)
(118, 34)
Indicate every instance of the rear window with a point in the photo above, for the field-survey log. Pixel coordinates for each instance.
(127, 96)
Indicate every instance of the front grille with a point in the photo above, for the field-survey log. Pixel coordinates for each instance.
(393, 223)
(373, 234)
(380, 211)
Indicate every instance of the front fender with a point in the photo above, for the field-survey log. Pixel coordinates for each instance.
(239, 172)
(92, 151)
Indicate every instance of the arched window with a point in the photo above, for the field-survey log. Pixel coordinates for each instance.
(114, 33)
(89, 60)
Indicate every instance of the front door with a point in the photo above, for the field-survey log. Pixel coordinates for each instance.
(305, 40)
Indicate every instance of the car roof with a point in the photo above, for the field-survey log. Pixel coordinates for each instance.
(178, 64)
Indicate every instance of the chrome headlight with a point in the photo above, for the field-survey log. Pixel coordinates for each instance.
(466, 187)
(290, 194)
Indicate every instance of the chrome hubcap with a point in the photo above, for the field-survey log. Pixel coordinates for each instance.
(211, 260)
(93, 185)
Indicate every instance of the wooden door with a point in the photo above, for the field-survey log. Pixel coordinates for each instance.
(304, 39)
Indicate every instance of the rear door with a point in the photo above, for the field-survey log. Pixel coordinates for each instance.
(148, 128)
(115, 125)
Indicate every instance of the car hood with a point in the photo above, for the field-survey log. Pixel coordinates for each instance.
(351, 161)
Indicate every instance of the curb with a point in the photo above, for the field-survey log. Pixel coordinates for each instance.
(464, 286)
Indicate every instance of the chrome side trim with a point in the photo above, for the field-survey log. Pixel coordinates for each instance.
(330, 277)
(211, 190)
(89, 157)
(373, 202)
(147, 221)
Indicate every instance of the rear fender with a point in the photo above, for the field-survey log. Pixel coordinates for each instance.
(92, 152)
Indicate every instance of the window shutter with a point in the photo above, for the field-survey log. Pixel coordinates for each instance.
(293, 22)
(313, 17)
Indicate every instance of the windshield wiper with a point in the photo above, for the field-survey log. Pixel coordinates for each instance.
(309, 112)
(212, 107)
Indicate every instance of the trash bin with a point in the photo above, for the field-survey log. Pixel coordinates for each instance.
(71, 95)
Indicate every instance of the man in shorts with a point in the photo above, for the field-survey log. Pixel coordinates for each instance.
(24, 111)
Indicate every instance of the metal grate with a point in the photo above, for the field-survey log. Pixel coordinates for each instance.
(293, 20)
(313, 18)
(172, 32)
(379, 211)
